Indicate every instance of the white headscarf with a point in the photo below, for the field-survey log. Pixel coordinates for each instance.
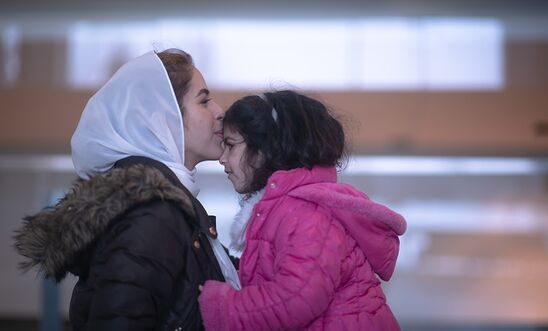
(134, 114)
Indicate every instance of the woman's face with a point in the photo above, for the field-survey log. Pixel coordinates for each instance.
(234, 148)
(202, 119)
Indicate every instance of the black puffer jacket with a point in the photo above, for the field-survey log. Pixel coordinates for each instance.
(137, 239)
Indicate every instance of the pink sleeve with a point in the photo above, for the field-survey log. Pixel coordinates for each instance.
(306, 273)
(213, 305)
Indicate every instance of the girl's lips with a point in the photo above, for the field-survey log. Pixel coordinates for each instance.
(219, 134)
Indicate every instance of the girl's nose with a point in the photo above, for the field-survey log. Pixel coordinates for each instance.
(222, 159)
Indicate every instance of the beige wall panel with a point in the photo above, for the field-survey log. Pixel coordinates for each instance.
(39, 120)
(43, 120)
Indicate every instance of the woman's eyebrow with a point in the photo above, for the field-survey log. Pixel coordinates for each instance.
(203, 91)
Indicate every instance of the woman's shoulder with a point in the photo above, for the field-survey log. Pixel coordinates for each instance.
(145, 229)
(140, 184)
(157, 211)
(139, 194)
(54, 237)
(163, 219)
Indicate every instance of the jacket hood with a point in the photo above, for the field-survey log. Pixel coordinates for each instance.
(374, 226)
(53, 238)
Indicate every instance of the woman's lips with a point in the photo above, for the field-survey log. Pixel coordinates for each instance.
(220, 134)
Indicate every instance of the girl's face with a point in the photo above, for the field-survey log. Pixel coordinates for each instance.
(202, 119)
(234, 148)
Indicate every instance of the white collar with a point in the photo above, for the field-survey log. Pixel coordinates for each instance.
(239, 226)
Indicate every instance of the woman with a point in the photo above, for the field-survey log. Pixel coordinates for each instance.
(313, 249)
(131, 229)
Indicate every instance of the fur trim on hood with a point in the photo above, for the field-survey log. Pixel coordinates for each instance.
(239, 226)
(54, 237)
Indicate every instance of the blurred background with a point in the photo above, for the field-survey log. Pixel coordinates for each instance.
(445, 104)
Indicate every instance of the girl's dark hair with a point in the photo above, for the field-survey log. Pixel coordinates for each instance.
(179, 66)
(285, 130)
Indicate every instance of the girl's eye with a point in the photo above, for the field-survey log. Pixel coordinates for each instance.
(205, 101)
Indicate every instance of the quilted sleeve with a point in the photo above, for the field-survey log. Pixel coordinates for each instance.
(309, 250)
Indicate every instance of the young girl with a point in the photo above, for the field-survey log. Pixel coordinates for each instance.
(313, 249)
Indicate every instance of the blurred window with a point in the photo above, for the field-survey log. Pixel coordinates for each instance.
(10, 39)
(365, 54)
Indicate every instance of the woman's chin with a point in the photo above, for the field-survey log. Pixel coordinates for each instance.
(217, 154)
(212, 155)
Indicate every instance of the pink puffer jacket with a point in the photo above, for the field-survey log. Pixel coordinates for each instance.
(313, 250)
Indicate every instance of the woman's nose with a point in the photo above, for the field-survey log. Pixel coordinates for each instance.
(219, 112)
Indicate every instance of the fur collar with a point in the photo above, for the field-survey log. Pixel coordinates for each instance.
(54, 237)
(239, 226)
